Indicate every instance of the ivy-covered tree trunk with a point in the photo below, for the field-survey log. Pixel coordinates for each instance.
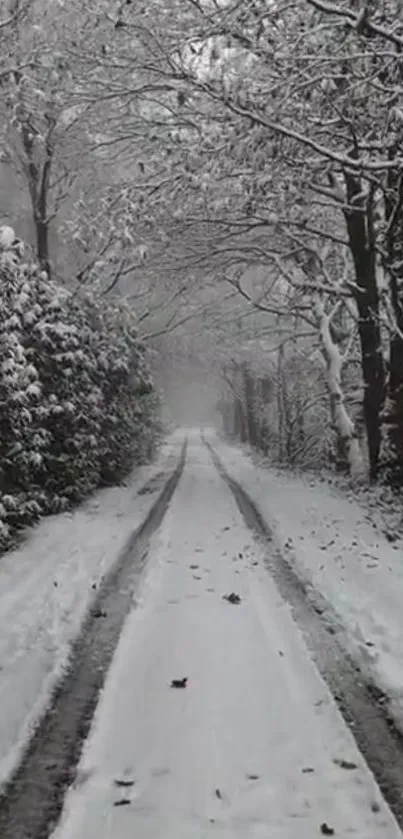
(361, 239)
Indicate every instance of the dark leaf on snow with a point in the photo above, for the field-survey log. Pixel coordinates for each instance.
(326, 830)
(122, 802)
(345, 764)
(179, 683)
(232, 598)
(123, 782)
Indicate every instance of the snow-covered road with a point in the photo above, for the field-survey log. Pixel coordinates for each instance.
(254, 746)
(46, 586)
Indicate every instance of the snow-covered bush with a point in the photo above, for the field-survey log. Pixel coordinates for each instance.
(77, 404)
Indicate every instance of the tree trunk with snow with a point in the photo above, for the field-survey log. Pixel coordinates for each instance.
(38, 177)
(361, 239)
(348, 443)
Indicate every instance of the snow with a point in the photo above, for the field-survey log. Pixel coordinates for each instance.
(45, 590)
(250, 747)
(7, 237)
(334, 545)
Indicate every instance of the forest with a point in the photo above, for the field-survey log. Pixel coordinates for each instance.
(215, 182)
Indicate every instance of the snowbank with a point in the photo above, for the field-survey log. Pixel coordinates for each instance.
(335, 546)
(46, 587)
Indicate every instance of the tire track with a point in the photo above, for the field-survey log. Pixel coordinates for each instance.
(379, 741)
(31, 802)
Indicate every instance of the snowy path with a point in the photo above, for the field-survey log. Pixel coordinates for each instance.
(46, 587)
(334, 546)
(249, 750)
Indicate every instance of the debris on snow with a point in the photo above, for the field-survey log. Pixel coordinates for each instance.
(232, 598)
(123, 782)
(99, 613)
(179, 683)
(345, 764)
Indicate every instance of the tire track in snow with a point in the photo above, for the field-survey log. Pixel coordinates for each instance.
(33, 798)
(379, 741)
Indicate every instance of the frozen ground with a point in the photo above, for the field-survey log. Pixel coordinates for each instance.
(332, 542)
(46, 587)
(252, 748)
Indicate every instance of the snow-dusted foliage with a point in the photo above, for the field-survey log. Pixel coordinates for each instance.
(77, 405)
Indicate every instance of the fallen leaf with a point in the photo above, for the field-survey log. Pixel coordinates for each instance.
(99, 613)
(232, 598)
(122, 802)
(122, 782)
(326, 830)
(179, 683)
(345, 764)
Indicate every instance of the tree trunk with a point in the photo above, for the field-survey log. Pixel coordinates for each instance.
(348, 446)
(42, 242)
(39, 183)
(280, 404)
(393, 461)
(361, 240)
(240, 421)
(250, 405)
